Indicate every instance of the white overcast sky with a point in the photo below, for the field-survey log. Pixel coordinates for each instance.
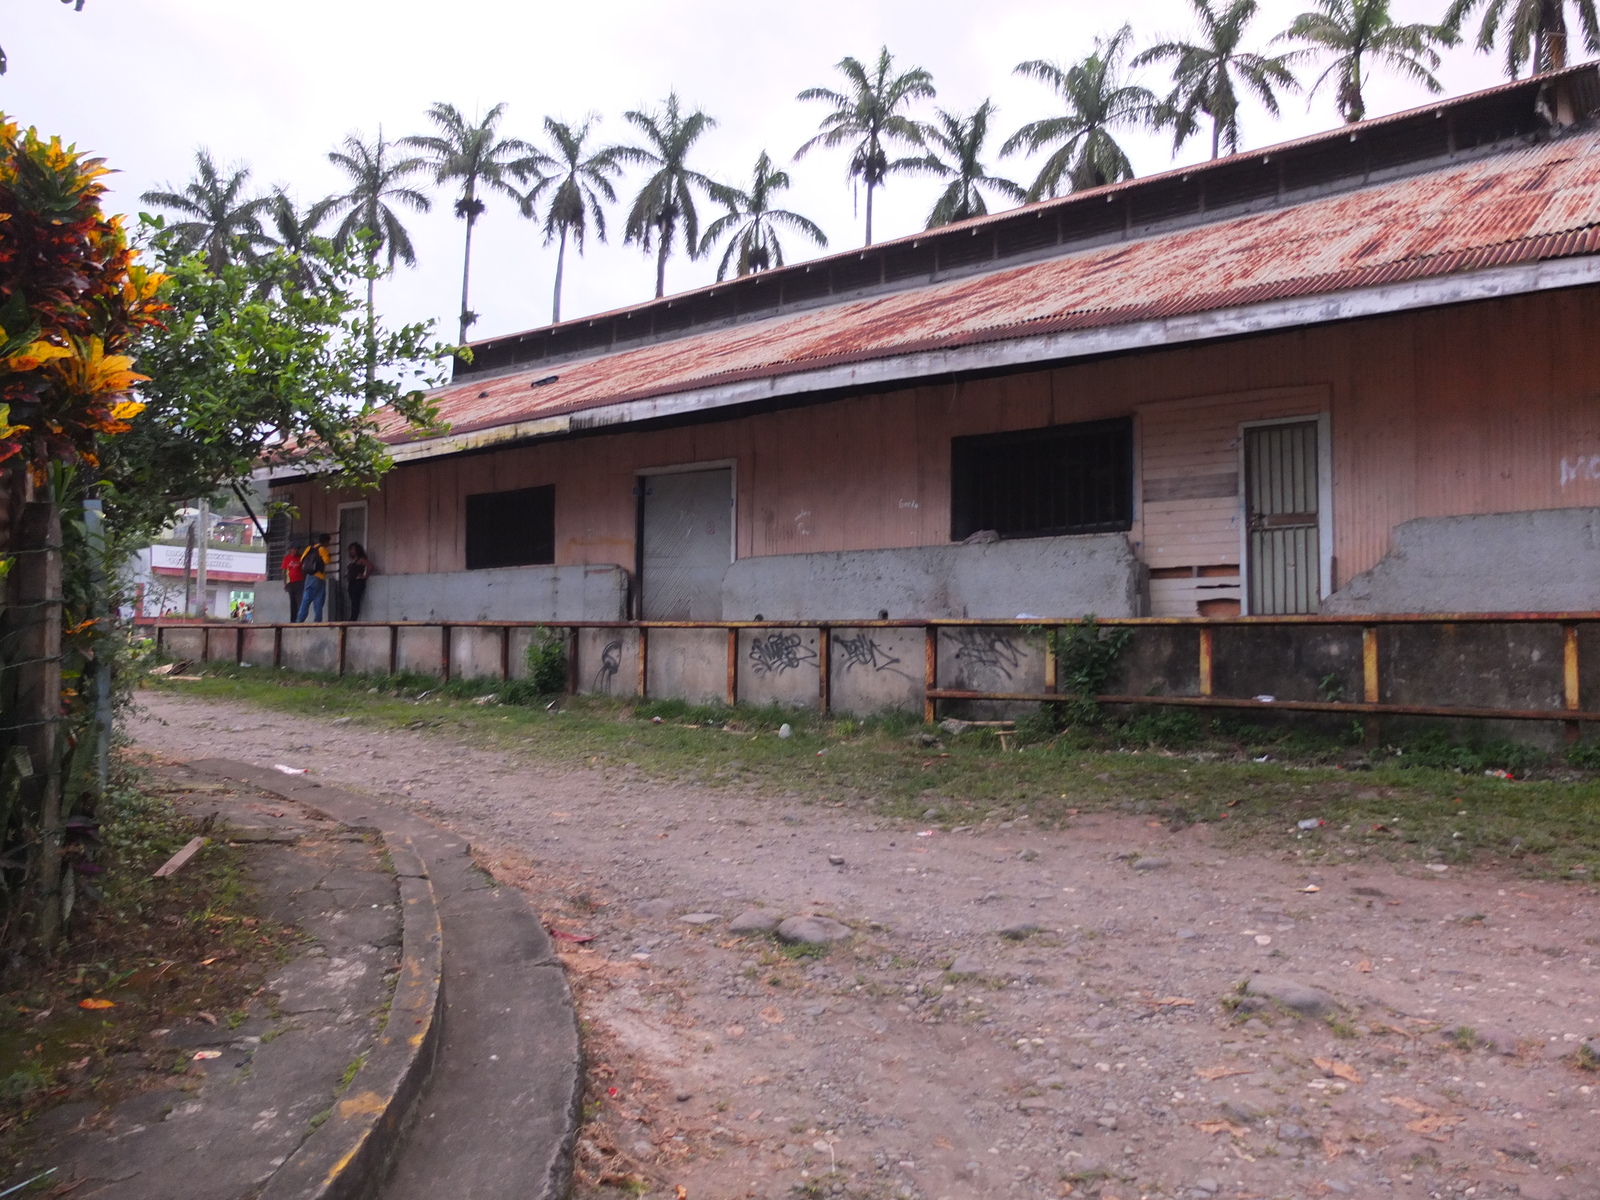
(276, 85)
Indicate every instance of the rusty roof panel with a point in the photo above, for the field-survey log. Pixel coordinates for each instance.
(1532, 203)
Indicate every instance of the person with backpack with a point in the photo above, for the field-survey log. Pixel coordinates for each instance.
(314, 563)
(294, 579)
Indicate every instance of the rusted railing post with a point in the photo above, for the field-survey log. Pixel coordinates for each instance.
(394, 649)
(1371, 732)
(1569, 676)
(572, 661)
(733, 666)
(824, 681)
(444, 653)
(930, 673)
(344, 641)
(505, 653)
(1050, 664)
(1205, 660)
(277, 647)
(238, 646)
(644, 662)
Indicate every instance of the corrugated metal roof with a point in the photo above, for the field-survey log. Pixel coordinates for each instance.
(1529, 204)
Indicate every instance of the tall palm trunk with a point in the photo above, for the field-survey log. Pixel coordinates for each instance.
(561, 263)
(466, 275)
(372, 328)
(1216, 134)
(869, 212)
(661, 257)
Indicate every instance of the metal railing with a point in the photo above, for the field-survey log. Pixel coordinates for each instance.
(1369, 708)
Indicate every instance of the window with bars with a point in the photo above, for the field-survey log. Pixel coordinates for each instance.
(1043, 482)
(511, 529)
(278, 530)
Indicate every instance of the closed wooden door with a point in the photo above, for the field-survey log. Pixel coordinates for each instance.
(687, 544)
(1281, 506)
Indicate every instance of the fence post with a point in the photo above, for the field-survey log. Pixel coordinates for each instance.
(572, 660)
(1205, 660)
(824, 682)
(644, 662)
(733, 666)
(277, 647)
(394, 649)
(1371, 732)
(344, 633)
(444, 653)
(930, 672)
(505, 653)
(1051, 665)
(238, 646)
(1569, 676)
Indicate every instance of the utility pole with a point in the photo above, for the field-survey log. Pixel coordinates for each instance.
(203, 537)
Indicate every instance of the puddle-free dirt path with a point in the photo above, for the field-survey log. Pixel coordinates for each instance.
(1091, 1055)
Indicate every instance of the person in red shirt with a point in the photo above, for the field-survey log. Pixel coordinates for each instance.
(294, 580)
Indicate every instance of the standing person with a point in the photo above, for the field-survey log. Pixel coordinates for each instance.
(357, 570)
(294, 579)
(314, 562)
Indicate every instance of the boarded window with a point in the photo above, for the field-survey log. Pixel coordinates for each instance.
(511, 529)
(1040, 482)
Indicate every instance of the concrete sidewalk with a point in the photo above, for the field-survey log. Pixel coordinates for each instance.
(500, 1116)
(258, 1090)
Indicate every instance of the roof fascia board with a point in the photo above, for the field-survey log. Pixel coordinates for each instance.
(1269, 317)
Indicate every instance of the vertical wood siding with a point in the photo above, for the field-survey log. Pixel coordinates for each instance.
(1489, 407)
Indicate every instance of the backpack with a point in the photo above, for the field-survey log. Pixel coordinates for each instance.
(310, 560)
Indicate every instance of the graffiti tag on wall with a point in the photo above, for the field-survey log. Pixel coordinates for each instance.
(988, 651)
(610, 664)
(1585, 466)
(779, 652)
(864, 651)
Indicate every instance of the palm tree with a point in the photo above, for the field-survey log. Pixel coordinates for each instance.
(751, 223)
(217, 217)
(293, 232)
(482, 160)
(1207, 75)
(962, 139)
(1535, 30)
(371, 225)
(1096, 99)
(868, 117)
(1355, 30)
(582, 179)
(664, 206)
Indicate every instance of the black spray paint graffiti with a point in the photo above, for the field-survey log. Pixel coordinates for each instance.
(778, 652)
(863, 651)
(610, 664)
(991, 651)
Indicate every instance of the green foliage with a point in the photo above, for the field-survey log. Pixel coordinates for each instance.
(260, 362)
(1086, 655)
(546, 658)
(1169, 728)
(1433, 748)
(1585, 755)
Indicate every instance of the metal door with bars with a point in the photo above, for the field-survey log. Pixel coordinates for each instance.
(687, 526)
(1281, 489)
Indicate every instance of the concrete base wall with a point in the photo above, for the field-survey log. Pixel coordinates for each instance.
(1547, 560)
(593, 593)
(1043, 577)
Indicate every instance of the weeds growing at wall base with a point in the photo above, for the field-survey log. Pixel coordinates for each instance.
(1427, 800)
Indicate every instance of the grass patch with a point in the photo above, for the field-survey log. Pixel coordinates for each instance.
(1427, 800)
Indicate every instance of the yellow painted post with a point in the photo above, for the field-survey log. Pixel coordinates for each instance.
(1569, 676)
(1205, 660)
(1369, 682)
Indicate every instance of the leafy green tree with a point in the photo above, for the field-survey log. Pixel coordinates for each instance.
(1208, 75)
(250, 367)
(1355, 32)
(955, 152)
(664, 209)
(214, 214)
(1096, 98)
(751, 223)
(371, 226)
(474, 153)
(1535, 30)
(868, 117)
(574, 194)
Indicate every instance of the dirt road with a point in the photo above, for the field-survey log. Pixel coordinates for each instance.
(1091, 1040)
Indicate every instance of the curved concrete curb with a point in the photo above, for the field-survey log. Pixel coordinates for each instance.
(348, 1154)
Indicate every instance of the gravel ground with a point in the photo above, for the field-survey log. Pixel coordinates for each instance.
(1016, 1013)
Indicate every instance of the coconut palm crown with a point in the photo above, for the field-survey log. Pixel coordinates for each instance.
(663, 211)
(868, 117)
(751, 224)
(1355, 33)
(1535, 31)
(574, 193)
(215, 214)
(1208, 75)
(473, 153)
(1095, 99)
(955, 152)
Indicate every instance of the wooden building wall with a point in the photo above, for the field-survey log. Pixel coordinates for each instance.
(1489, 407)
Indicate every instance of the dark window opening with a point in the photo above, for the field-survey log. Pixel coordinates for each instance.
(278, 532)
(511, 529)
(1042, 482)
